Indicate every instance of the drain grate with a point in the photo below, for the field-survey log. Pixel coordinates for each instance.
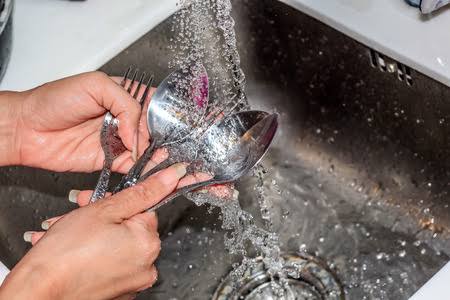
(308, 278)
(386, 64)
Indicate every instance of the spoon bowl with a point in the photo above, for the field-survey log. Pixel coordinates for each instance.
(229, 151)
(178, 104)
(236, 144)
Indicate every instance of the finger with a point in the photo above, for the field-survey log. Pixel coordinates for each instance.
(144, 136)
(115, 99)
(118, 80)
(158, 157)
(149, 279)
(142, 196)
(193, 178)
(82, 198)
(49, 222)
(33, 237)
(143, 128)
(222, 191)
(127, 297)
(124, 162)
(150, 220)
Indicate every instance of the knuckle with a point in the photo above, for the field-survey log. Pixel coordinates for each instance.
(149, 192)
(135, 193)
(152, 246)
(98, 76)
(94, 80)
(152, 275)
(104, 207)
(155, 274)
(155, 186)
(156, 246)
(153, 222)
(148, 278)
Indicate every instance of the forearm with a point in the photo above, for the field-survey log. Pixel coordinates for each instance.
(10, 103)
(28, 283)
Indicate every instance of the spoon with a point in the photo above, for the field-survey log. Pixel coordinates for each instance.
(188, 150)
(176, 107)
(230, 151)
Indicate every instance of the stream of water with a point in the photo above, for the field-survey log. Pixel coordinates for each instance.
(205, 33)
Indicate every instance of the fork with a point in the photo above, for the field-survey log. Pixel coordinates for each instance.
(110, 141)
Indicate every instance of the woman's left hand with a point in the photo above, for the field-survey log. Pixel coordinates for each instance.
(58, 124)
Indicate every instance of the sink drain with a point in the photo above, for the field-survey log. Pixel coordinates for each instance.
(308, 279)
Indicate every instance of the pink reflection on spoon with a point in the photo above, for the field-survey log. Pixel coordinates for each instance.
(201, 87)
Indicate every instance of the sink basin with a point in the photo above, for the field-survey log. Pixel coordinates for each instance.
(358, 176)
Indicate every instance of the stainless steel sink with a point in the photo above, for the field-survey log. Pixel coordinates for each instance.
(359, 174)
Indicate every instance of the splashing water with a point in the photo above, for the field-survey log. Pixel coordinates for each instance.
(205, 33)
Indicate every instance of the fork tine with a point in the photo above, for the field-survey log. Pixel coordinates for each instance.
(147, 89)
(136, 92)
(125, 77)
(132, 82)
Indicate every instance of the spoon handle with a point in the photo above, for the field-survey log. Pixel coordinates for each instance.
(133, 174)
(103, 181)
(182, 191)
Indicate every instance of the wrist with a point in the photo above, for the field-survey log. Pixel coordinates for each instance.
(10, 111)
(29, 283)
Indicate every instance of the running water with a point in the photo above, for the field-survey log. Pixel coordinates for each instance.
(205, 33)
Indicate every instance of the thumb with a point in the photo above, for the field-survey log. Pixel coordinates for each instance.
(144, 195)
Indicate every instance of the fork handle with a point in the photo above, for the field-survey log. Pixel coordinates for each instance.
(103, 182)
(133, 174)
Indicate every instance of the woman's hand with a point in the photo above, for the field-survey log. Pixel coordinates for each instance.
(58, 124)
(100, 251)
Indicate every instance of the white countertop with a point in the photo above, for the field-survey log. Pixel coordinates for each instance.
(56, 38)
(392, 27)
(53, 39)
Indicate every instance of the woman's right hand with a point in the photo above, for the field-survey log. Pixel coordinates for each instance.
(100, 251)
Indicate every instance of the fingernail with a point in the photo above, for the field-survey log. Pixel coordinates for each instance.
(168, 177)
(27, 236)
(73, 196)
(134, 149)
(180, 168)
(45, 225)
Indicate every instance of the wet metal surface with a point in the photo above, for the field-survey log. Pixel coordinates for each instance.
(358, 176)
(307, 278)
